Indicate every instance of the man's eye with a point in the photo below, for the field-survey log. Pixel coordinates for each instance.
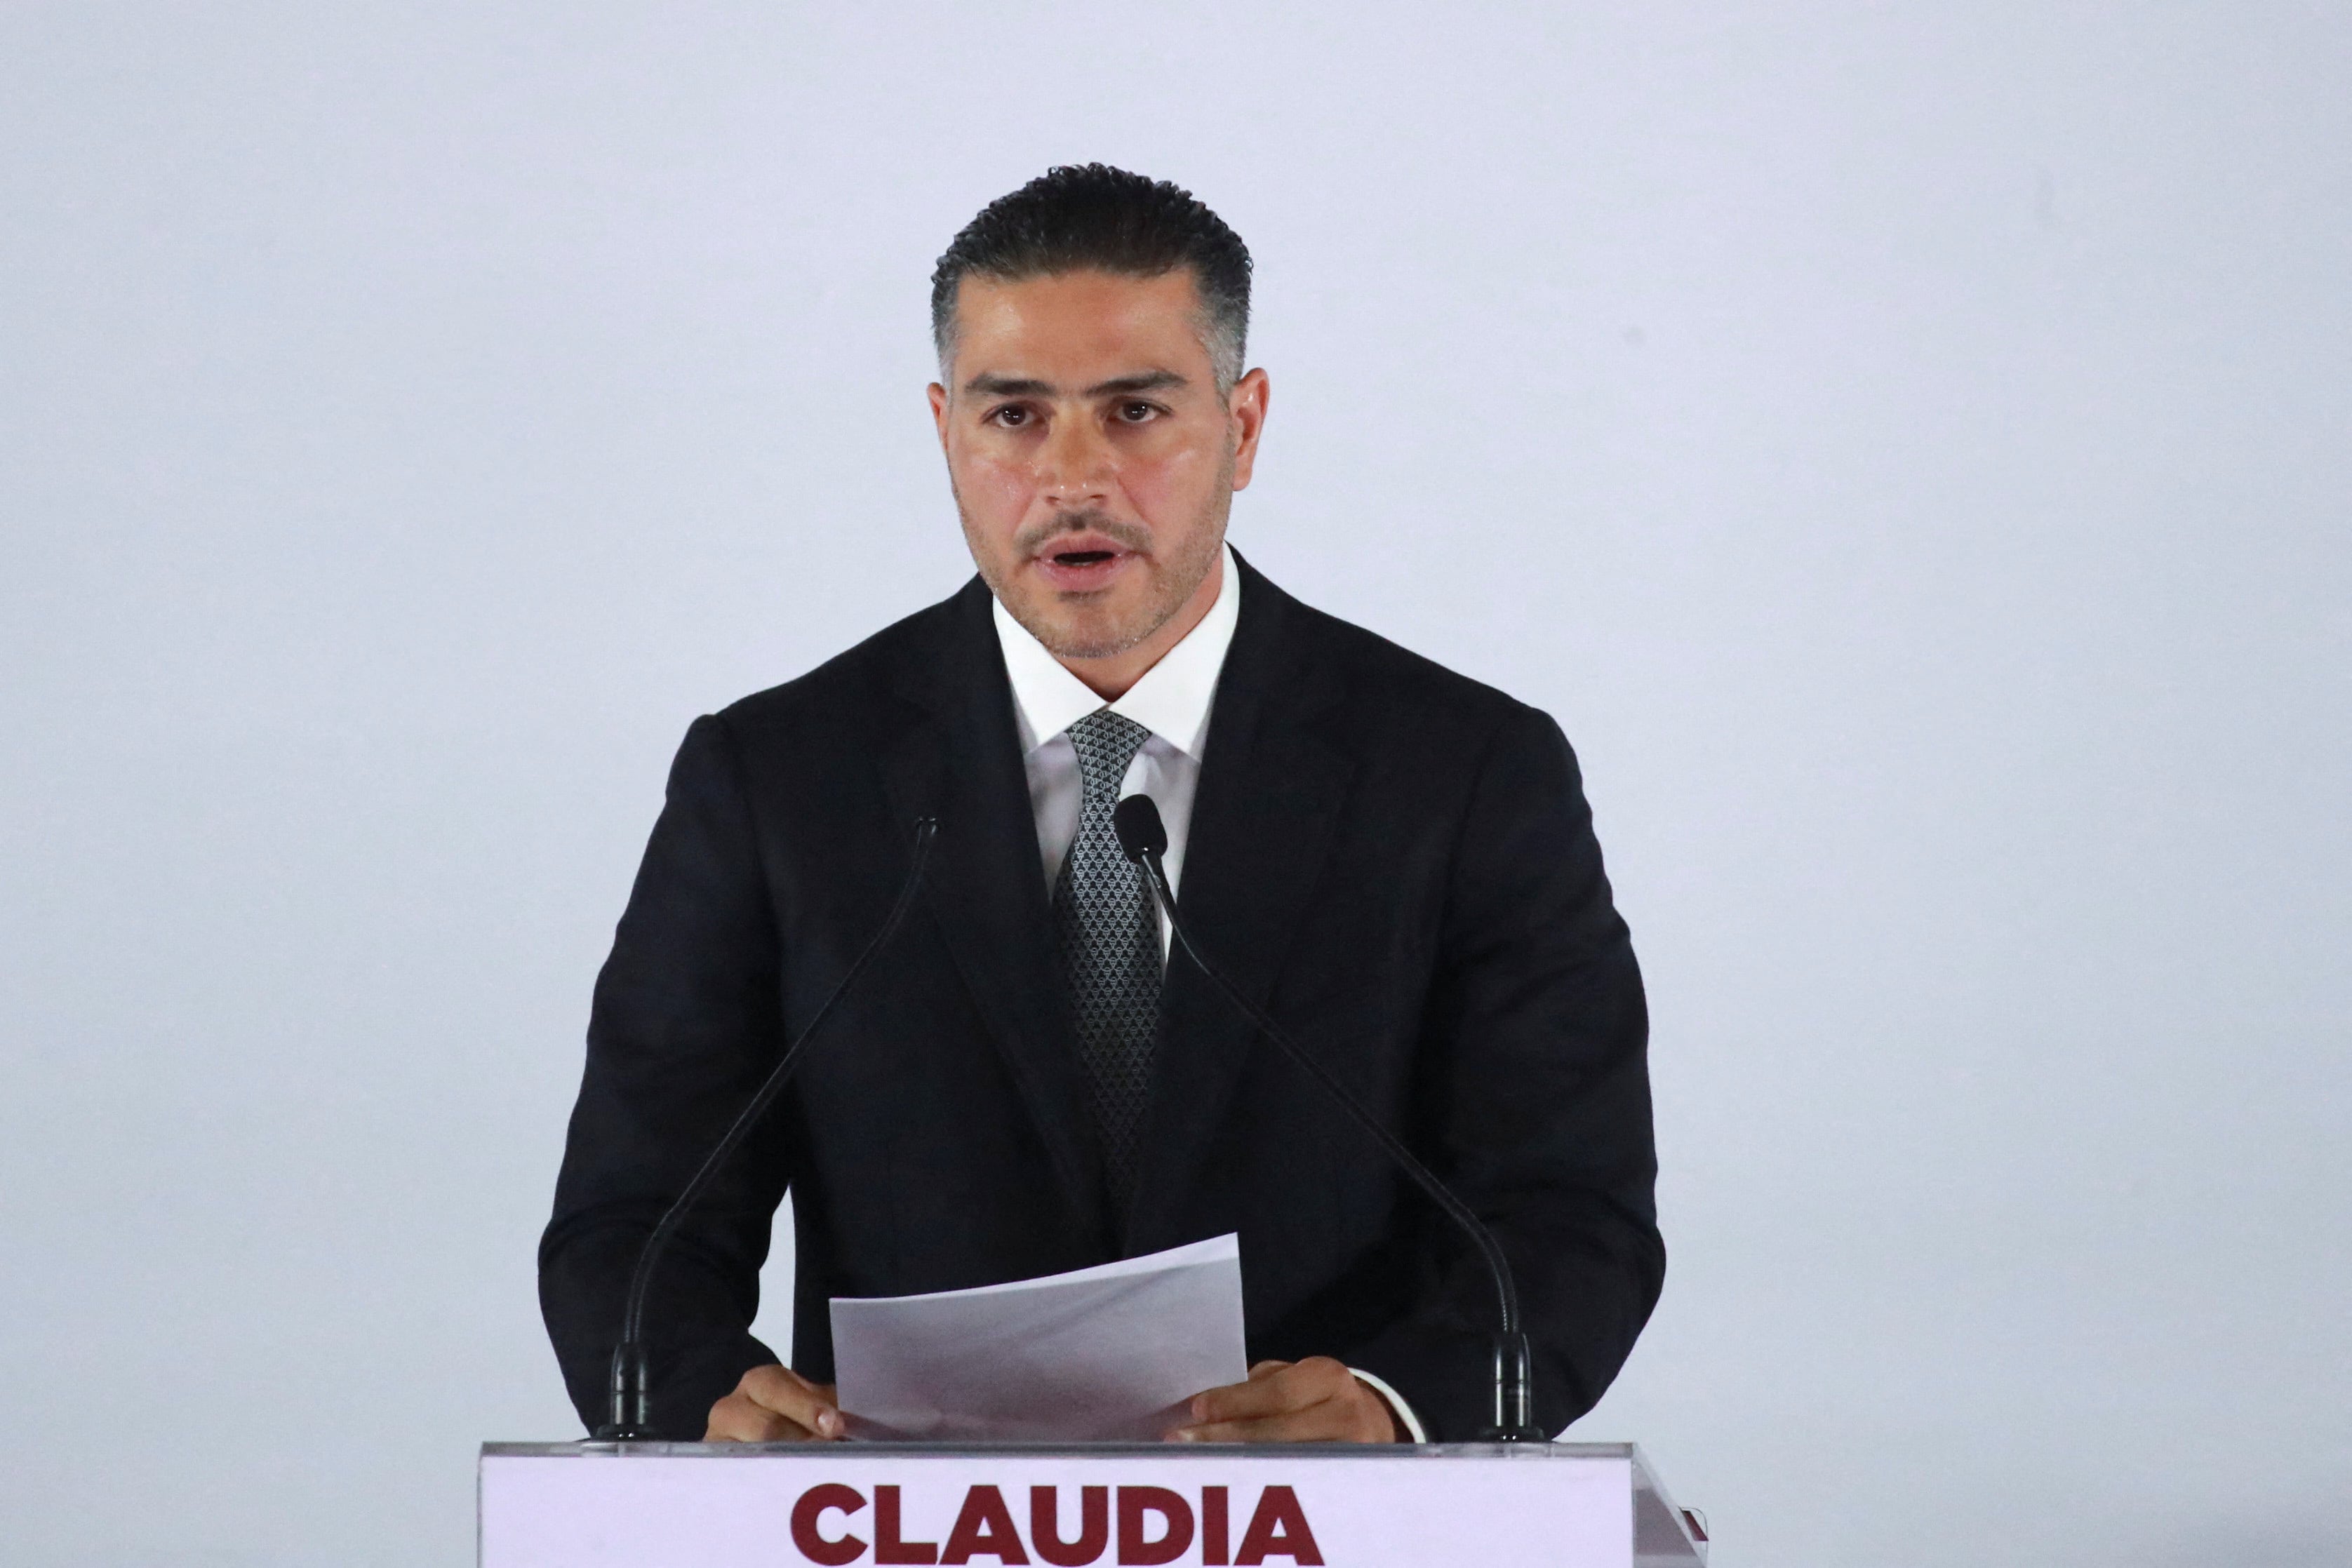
(1135, 413)
(1011, 418)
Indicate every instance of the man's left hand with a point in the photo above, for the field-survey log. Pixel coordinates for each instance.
(1313, 1401)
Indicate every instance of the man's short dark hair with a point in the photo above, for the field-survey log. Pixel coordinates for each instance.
(1076, 217)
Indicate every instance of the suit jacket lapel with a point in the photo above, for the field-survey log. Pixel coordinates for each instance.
(961, 762)
(1271, 786)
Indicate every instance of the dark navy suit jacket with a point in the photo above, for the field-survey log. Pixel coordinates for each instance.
(1394, 860)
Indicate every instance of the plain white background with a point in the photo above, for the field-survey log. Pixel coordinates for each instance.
(1907, 447)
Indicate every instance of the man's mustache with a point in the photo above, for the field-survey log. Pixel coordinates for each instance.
(1031, 541)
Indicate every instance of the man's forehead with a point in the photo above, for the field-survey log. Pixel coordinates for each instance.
(1085, 326)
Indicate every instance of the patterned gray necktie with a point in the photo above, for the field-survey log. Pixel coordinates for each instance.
(1109, 935)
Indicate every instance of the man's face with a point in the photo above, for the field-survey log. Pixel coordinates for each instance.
(1092, 458)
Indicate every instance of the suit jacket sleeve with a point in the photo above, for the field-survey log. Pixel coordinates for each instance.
(683, 1026)
(1536, 1099)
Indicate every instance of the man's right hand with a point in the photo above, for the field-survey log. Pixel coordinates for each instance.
(777, 1404)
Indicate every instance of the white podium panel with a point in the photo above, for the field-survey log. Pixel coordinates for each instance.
(663, 1505)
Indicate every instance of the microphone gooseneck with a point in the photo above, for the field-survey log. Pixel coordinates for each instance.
(631, 1416)
(1144, 838)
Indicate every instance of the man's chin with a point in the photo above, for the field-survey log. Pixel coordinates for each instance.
(1074, 626)
(1087, 642)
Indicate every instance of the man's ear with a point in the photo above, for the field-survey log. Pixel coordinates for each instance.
(938, 396)
(1246, 407)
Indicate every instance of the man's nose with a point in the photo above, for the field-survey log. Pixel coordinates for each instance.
(1077, 462)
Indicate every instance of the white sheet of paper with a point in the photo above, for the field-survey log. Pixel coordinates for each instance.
(1097, 1354)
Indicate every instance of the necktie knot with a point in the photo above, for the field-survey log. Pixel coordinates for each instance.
(1107, 744)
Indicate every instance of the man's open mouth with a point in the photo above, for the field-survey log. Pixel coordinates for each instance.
(1083, 560)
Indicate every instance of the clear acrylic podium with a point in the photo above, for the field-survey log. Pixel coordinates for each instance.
(668, 1505)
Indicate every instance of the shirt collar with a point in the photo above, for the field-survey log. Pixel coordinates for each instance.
(1172, 700)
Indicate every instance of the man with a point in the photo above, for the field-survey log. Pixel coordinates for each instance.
(1395, 861)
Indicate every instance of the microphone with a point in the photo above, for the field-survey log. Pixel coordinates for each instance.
(631, 1418)
(1144, 837)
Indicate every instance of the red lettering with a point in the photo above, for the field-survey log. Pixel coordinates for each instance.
(814, 1544)
(1279, 1528)
(1134, 1502)
(1212, 1528)
(984, 1527)
(1046, 1526)
(888, 1545)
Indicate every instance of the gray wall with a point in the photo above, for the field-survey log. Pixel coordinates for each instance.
(1906, 445)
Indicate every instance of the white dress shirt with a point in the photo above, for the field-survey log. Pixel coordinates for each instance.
(1172, 701)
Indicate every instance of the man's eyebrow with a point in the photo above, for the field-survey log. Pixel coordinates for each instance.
(989, 385)
(1148, 381)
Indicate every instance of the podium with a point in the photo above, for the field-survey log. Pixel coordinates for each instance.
(780, 1505)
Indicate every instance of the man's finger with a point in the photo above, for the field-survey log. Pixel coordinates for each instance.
(1329, 1421)
(737, 1419)
(794, 1397)
(775, 1404)
(1318, 1400)
(1274, 1387)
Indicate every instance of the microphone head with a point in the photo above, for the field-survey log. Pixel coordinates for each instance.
(1140, 830)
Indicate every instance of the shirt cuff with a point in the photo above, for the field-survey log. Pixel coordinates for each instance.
(1413, 1430)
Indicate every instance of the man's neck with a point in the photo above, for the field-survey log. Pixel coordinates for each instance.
(1111, 678)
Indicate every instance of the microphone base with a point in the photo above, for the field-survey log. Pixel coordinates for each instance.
(1515, 1435)
(614, 1432)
